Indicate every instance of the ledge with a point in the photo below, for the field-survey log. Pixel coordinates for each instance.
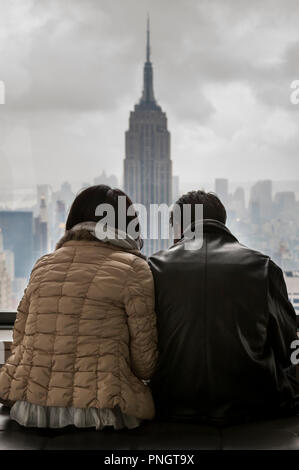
(264, 435)
(278, 434)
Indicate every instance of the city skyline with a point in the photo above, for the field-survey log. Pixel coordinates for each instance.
(268, 221)
(223, 77)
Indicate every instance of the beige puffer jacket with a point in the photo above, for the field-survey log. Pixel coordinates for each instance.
(85, 333)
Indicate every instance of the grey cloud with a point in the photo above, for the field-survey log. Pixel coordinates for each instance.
(67, 62)
(88, 55)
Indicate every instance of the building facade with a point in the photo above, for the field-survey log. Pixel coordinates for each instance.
(17, 230)
(292, 282)
(221, 189)
(5, 280)
(148, 165)
(41, 232)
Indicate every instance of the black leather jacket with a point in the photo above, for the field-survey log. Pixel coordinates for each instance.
(225, 326)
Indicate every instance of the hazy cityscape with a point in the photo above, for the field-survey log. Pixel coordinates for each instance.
(225, 122)
(265, 220)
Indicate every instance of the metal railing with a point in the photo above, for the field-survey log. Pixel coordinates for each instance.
(7, 320)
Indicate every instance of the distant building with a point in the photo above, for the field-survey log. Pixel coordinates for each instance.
(64, 197)
(147, 165)
(40, 238)
(17, 229)
(64, 194)
(5, 285)
(19, 285)
(238, 202)
(261, 199)
(5, 280)
(60, 220)
(109, 180)
(176, 193)
(221, 189)
(10, 263)
(285, 204)
(44, 191)
(292, 282)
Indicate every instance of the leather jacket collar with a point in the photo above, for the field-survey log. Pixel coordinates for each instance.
(209, 225)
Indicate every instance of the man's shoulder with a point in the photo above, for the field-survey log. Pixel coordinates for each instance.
(236, 252)
(164, 256)
(241, 248)
(274, 270)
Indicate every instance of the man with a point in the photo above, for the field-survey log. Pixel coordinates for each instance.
(225, 325)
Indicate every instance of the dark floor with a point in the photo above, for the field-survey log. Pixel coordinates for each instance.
(275, 434)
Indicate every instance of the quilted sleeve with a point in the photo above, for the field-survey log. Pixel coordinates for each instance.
(19, 326)
(140, 301)
(23, 308)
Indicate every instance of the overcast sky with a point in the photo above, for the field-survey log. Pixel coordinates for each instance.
(222, 73)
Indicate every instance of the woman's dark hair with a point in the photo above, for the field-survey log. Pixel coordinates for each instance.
(212, 206)
(85, 204)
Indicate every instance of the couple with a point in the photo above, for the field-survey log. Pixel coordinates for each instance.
(96, 313)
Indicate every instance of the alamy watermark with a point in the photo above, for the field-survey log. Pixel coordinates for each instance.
(155, 221)
(294, 97)
(295, 353)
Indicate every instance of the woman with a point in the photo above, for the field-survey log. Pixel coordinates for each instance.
(85, 338)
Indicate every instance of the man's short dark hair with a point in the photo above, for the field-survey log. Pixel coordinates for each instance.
(212, 206)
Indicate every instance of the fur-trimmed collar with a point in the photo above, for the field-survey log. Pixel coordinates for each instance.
(78, 235)
(81, 234)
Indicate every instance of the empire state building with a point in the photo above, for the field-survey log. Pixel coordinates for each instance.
(147, 165)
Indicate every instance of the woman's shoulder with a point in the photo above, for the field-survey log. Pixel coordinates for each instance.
(128, 255)
(127, 261)
(40, 262)
(129, 258)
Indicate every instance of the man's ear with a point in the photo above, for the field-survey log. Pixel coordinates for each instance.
(177, 232)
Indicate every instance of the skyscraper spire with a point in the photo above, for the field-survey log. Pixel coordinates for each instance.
(148, 97)
(148, 46)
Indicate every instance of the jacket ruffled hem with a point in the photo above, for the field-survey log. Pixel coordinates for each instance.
(31, 415)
